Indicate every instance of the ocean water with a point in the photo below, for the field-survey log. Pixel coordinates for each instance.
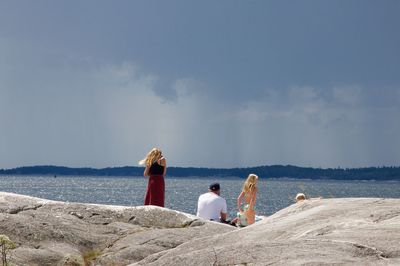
(182, 193)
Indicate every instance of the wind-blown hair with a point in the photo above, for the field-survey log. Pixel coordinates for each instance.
(154, 155)
(250, 183)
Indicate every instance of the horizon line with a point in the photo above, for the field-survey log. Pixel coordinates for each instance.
(204, 167)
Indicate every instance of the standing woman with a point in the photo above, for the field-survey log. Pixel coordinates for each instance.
(248, 196)
(156, 168)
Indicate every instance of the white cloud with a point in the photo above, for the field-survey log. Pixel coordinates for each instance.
(349, 95)
(302, 94)
(305, 127)
(185, 87)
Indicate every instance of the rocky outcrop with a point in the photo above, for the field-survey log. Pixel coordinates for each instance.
(57, 233)
(313, 232)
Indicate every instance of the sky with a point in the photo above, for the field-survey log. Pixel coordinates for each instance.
(212, 83)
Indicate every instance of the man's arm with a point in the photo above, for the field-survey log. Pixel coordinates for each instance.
(198, 206)
(224, 216)
(224, 212)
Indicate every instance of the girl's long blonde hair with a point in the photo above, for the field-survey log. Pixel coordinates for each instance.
(153, 156)
(250, 183)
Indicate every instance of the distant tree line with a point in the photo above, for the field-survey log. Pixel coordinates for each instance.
(273, 171)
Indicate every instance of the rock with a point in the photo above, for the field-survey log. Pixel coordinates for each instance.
(349, 231)
(312, 232)
(58, 233)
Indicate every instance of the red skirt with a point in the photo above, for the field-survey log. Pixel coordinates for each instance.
(155, 191)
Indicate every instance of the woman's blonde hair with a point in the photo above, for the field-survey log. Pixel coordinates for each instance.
(153, 156)
(250, 183)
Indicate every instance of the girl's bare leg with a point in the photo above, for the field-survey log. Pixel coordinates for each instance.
(251, 216)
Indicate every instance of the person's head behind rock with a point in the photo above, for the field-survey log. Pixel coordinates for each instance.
(300, 197)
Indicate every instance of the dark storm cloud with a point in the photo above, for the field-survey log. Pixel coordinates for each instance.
(213, 83)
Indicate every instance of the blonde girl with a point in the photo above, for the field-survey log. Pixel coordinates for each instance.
(248, 197)
(156, 167)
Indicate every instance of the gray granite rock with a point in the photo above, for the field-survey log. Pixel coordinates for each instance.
(314, 232)
(58, 233)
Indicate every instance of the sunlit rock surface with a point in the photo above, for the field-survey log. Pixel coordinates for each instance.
(361, 231)
(57, 233)
(313, 232)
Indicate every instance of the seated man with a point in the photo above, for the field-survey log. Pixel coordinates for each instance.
(211, 206)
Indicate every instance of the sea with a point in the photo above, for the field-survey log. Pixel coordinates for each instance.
(182, 193)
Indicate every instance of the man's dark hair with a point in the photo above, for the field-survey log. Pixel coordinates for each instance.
(215, 187)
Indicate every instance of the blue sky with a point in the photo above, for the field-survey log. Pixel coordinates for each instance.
(212, 83)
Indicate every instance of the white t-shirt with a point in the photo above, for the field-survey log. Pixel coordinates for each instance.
(210, 206)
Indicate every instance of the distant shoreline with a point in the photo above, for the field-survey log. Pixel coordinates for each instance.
(273, 171)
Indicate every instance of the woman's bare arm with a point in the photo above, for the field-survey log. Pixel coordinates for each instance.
(253, 199)
(239, 201)
(163, 162)
(146, 171)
